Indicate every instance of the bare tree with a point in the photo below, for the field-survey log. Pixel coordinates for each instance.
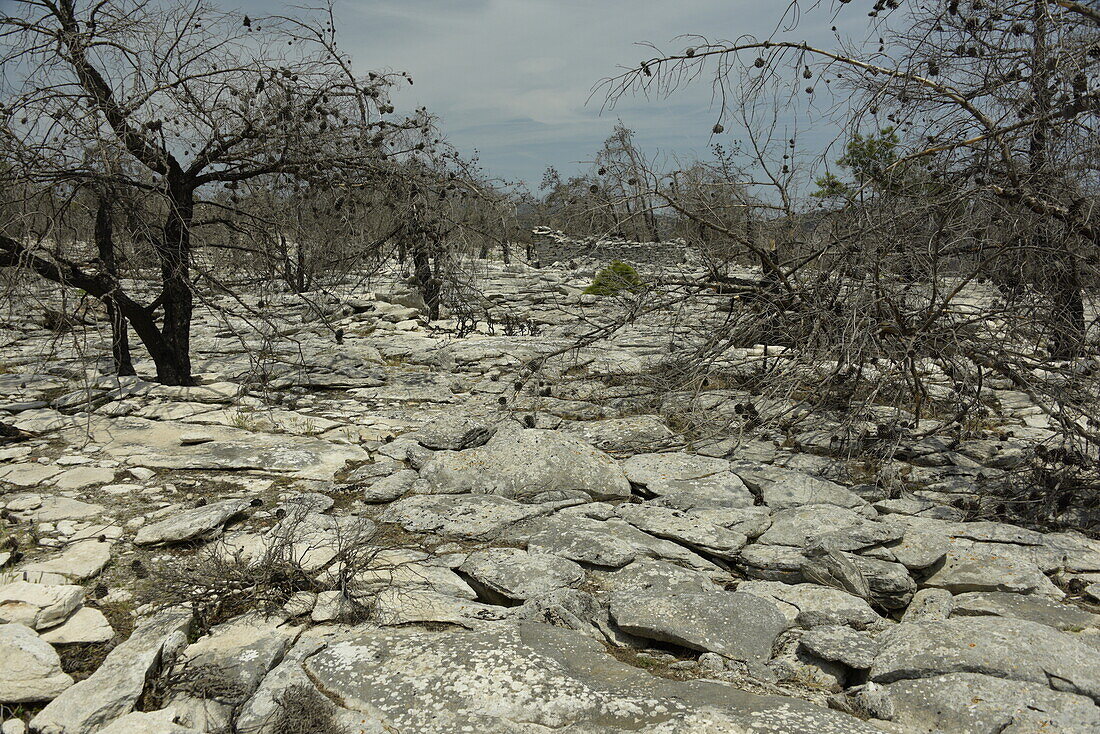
(173, 103)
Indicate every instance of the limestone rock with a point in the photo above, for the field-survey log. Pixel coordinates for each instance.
(983, 704)
(113, 689)
(200, 522)
(85, 625)
(518, 463)
(503, 680)
(1039, 609)
(684, 528)
(1012, 649)
(39, 606)
(841, 644)
(736, 625)
(477, 516)
(511, 575)
(32, 669)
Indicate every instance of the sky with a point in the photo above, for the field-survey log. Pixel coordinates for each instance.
(512, 80)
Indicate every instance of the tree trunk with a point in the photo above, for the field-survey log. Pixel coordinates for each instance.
(120, 340)
(1067, 298)
(173, 361)
(425, 280)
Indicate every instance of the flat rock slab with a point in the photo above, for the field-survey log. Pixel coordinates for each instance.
(681, 527)
(523, 463)
(975, 566)
(115, 687)
(1004, 648)
(507, 679)
(78, 563)
(39, 606)
(511, 575)
(735, 625)
(632, 433)
(201, 522)
(156, 444)
(841, 644)
(647, 469)
(810, 605)
(85, 625)
(32, 669)
(840, 527)
(782, 488)
(474, 516)
(1043, 610)
(983, 704)
(647, 574)
(582, 545)
(453, 433)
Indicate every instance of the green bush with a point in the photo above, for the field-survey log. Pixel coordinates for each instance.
(615, 278)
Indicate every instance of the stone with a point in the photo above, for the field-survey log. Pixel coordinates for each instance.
(78, 563)
(39, 606)
(647, 469)
(974, 566)
(732, 624)
(165, 721)
(113, 689)
(53, 509)
(239, 653)
(510, 575)
(684, 528)
(453, 433)
(534, 676)
(27, 475)
(688, 482)
(631, 434)
(32, 669)
(983, 704)
(387, 489)
(841, 644)
(84, 476)
(840, 527)
(13, 726)
(85, 625)
(810, 605)
(477, 517)
(1039, 609)
(204, 522)
(521, 463)
(1012, 649)
(921, 547)
(646, 574)
(772, 563)
(583, 545)
(782, 488)
(156, 445)
(929, 605)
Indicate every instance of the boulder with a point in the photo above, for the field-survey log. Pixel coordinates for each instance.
(1012, 649)
(32, 669)
(508, 679)
(204, 522)
(476, 516)
(115, 687)
(510, 575)
(984, 704)
(39, 606)
(519, 463)
(732, 624)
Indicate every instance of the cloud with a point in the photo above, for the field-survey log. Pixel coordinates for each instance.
(514, 79)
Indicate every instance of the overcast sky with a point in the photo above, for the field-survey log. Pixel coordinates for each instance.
(512, 79)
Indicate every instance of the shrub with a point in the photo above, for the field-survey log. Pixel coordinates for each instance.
(615, 278)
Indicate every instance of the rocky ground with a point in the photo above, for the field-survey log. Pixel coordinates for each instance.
(385, 535)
